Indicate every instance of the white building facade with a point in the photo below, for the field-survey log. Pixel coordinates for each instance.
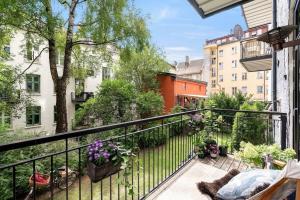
(38, 83)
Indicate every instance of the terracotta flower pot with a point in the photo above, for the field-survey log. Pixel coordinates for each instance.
(97, 173)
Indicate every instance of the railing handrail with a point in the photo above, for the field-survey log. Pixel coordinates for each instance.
(79, 133)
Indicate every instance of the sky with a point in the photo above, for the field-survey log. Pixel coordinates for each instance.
(179, 30)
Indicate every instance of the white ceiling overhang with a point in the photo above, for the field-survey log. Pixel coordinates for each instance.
(257, 12)
(207, 8)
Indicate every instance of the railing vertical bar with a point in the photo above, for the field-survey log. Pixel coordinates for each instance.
(125, 170)
(51, 177)
(118, 186)
(144, 165)
(158, 152)
(14, 182)
(79, 173)
(101, 189)
(34, 181)
(91, 189)
(169, 146)
(132, 169)
(149, 167)
(153, 164)
(67, 168)
(110, 188)
(138, 169)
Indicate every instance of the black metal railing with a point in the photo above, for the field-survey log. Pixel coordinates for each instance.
(162, 146)
(255, 49)
(82, 97)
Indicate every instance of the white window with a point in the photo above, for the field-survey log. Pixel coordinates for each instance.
(213, 61)
(244, 76)
(220, 65)
(5, 119)
(244, 90)
(106, 73)
(260, 75)
(260, 89)
(32, 51)
(221, 53)
(60, 58)
(213, 83)
(233, 50)
(234, 64)
(234, 90)
(221, 78)
(234, 77)
(213, 72)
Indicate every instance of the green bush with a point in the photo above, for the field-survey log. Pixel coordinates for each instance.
(252, 154)
(149, 104)
(152, 138)
(249, 127)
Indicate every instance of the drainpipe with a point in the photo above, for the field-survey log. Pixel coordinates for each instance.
(274, 62)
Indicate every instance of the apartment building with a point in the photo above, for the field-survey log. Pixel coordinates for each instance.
(38, 83)
(227, 73)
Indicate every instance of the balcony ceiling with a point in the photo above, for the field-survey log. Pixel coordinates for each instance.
(257, 12)
(207, 8)
(261, 63)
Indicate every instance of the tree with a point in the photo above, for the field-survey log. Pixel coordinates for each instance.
(149, 104)
(112, 103)
(66, 24)
(142, 67)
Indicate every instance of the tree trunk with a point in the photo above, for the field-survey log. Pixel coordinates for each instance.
(61, 106)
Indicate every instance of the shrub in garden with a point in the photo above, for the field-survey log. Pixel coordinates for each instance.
(152, 138)
(249, 127)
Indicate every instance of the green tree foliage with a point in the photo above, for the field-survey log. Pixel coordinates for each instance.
(112, 103)
(106, 26)
(249, 127)
(142, 67)
(149, 104)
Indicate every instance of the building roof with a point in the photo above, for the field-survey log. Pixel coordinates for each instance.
(191, 67)
(176, 77)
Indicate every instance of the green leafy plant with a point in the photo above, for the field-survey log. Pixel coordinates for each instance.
(253, 154)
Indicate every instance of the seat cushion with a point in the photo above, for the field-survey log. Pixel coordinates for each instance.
(246, 183)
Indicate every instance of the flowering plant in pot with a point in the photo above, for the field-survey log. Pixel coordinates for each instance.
(105, 159)
(213, 150)
(223, 150)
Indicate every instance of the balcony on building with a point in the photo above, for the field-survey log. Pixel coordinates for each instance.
(82, 97)
(256, 55)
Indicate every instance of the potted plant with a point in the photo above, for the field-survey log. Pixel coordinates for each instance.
(213, 150)
(104, 159)
(223, 150)
(201, 151)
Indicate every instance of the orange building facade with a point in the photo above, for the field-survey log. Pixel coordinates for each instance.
(180, 91)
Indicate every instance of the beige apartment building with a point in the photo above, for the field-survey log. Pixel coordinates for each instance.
(225, 57)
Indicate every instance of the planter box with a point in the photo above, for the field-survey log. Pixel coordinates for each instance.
(97, 173)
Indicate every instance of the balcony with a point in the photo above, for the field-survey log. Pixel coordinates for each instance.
(82, 97)
(256, 55)
(164, 166)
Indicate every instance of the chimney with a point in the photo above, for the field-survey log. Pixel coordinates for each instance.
(187, 61)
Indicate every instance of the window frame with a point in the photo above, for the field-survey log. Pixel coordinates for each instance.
(33, 113)
(258, 91)
(3, 117)
(33, 82)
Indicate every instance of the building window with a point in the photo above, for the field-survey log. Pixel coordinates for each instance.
(79, 86)
(33, 115)
(220, 65)
(233, 50)
(213, 61)
(221, 53)
(244, 76)
(244, 90)
(106, 73)
(234, 90)
(33, 83)
(60, 58)
(32, 51)
(234, 77)
(234, 64)
(213, 83)
(7, 49)
(260, 89)
(54, 114)
(212, 52)
(260, 75)
(221, 78)
(213, 72)
(5, 119)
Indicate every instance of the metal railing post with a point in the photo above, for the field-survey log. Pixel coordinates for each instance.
(283, 131)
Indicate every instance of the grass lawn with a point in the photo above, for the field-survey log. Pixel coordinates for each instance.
(151, 167)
